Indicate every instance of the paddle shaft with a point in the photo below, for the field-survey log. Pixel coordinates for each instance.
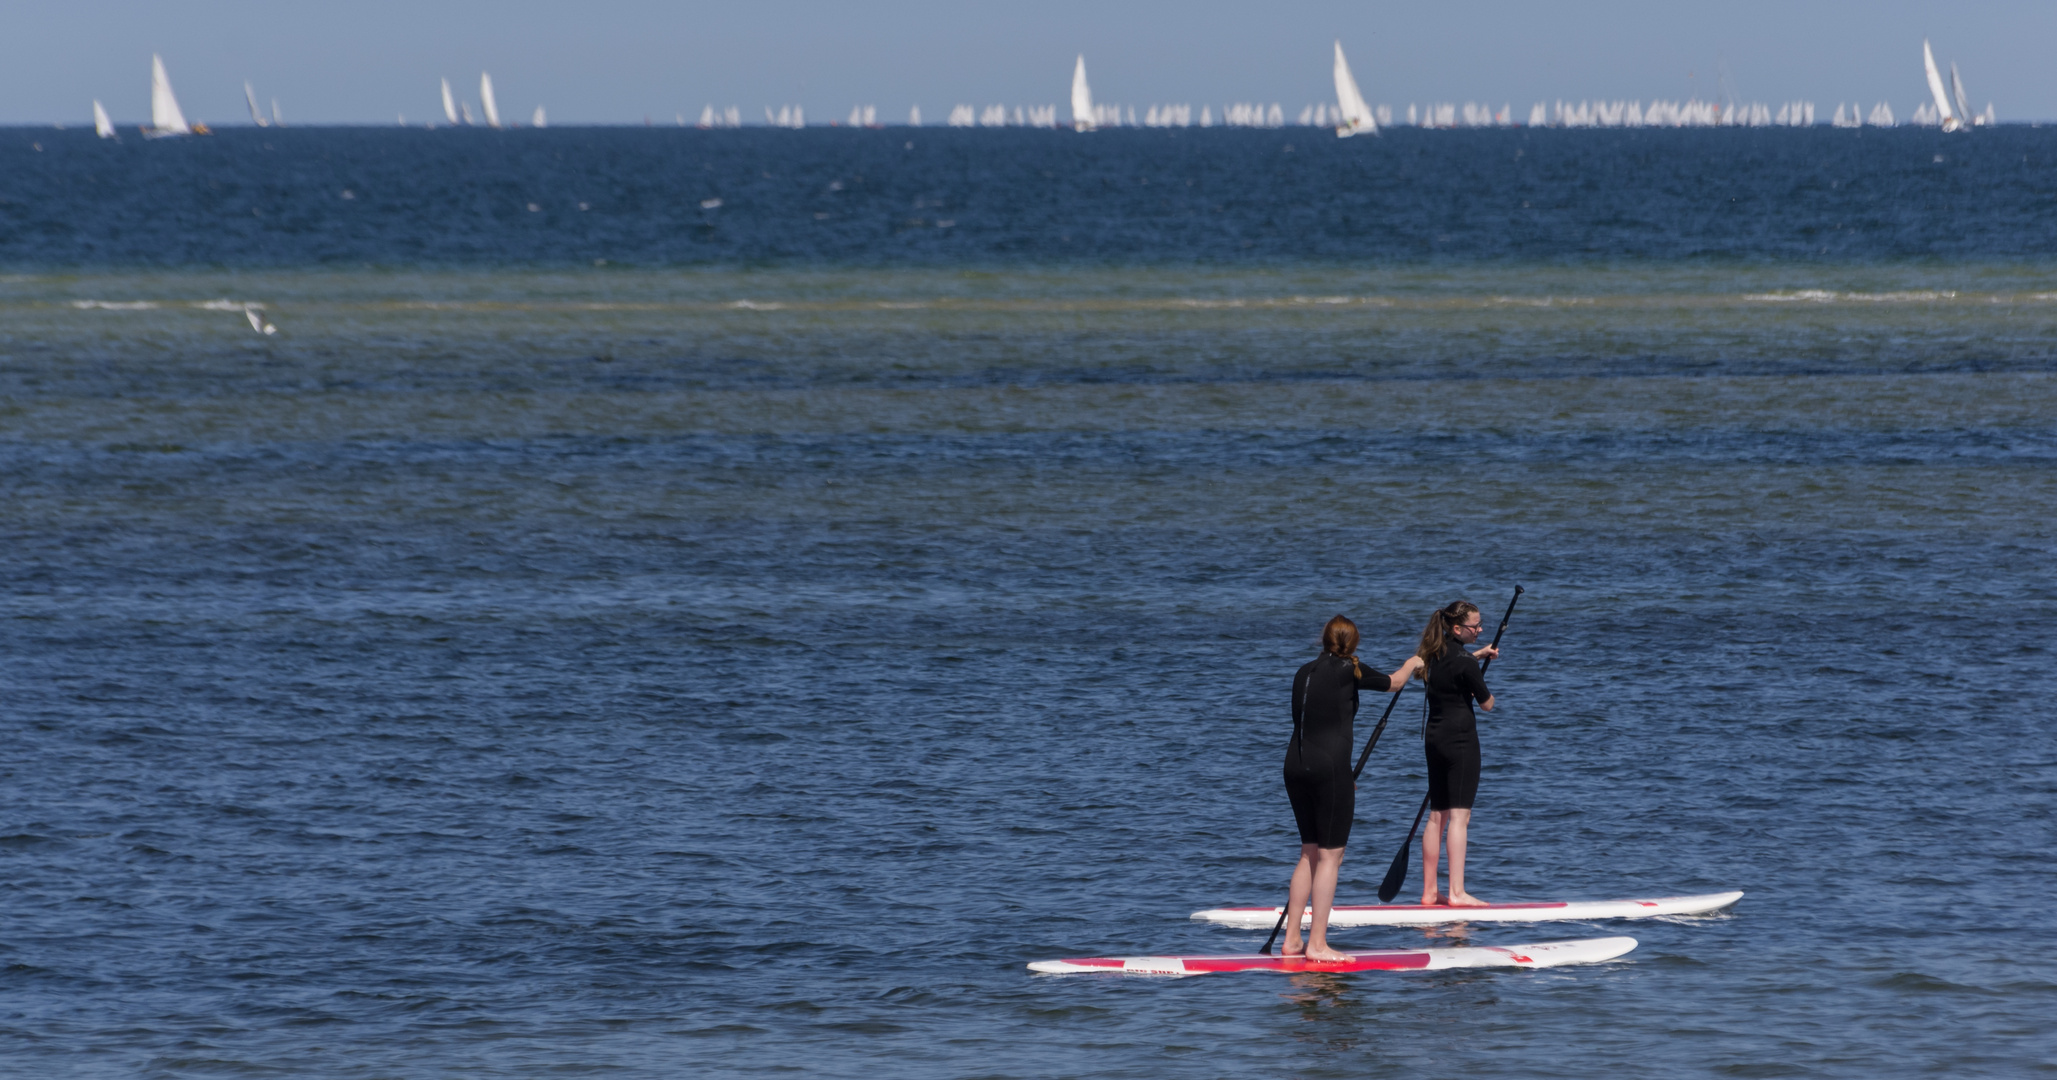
(1375, 733)
(1396, 875)
(1354, 774)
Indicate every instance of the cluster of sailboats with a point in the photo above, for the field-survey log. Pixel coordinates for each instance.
(1948, 108)
(459, 112)
(167, 119)
(1351, 115)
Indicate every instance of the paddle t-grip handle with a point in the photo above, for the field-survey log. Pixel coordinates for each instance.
(1518, 590)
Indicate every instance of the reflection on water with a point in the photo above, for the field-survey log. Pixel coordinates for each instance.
(1331, 1003)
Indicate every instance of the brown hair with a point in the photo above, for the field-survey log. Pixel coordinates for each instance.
(1435, 637)
(1339, 638)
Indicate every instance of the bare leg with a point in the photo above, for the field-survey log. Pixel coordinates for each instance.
(1460, 832)
(1431, 854)
(1296, 899)
(1327, 867)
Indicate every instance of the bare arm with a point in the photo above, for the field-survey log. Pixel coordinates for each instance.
(1406, 671)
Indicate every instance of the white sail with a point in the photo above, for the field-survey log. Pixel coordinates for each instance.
(539, 120)
(449, 103)
(1935, 87)
(250, 96)
(165, 117)
(1081, 98)
(486, 100)
(276, 121)
(102, 126)
(1355, 115)
(1957, 94)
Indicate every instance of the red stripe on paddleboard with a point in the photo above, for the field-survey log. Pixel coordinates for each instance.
(1437, 907)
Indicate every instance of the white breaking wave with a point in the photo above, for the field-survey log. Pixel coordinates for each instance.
(1825, 296)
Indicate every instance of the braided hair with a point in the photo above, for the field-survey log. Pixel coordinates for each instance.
(1339, 638)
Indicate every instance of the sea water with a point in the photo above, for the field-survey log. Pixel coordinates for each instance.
(729, 618)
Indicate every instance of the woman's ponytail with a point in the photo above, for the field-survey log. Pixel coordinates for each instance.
(1435, 637)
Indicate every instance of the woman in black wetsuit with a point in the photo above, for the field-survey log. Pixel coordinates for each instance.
(1450, 740)
(1318, 777)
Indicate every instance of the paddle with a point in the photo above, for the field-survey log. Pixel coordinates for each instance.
(1396, 876)
(1354, 774)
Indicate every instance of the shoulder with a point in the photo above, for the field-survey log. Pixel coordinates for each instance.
(1307, 669)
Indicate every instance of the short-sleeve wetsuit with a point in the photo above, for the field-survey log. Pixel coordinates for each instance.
(1451, 737)
(1318, 777)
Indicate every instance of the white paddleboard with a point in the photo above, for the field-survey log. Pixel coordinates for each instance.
(1264, 918)
(1541, 954)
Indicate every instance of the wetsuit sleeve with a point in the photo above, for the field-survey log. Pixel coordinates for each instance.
(1474, 680)
(1373, 680)
(1300, 680)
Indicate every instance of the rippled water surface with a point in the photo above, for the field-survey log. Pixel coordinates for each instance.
(557, 669)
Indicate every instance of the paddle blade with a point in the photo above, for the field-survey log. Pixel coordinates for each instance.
(1397, 876)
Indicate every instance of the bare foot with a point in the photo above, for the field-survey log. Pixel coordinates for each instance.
(1465, 899)
(1433, 899)
(1326, 955)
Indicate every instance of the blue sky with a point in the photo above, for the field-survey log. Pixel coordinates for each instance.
(617, 61)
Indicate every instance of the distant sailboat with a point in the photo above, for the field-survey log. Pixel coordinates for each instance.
(102, 126)
(276, 121)
(539, 120)
(1957, 94)
(1949, 119)
(464, 110)
(250, 96)
(449, 103)
(1354, 115)
(165, 117)
(486, 100)
(1081, 98)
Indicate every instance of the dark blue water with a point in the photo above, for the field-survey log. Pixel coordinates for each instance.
(746, 655)
(940, 197)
